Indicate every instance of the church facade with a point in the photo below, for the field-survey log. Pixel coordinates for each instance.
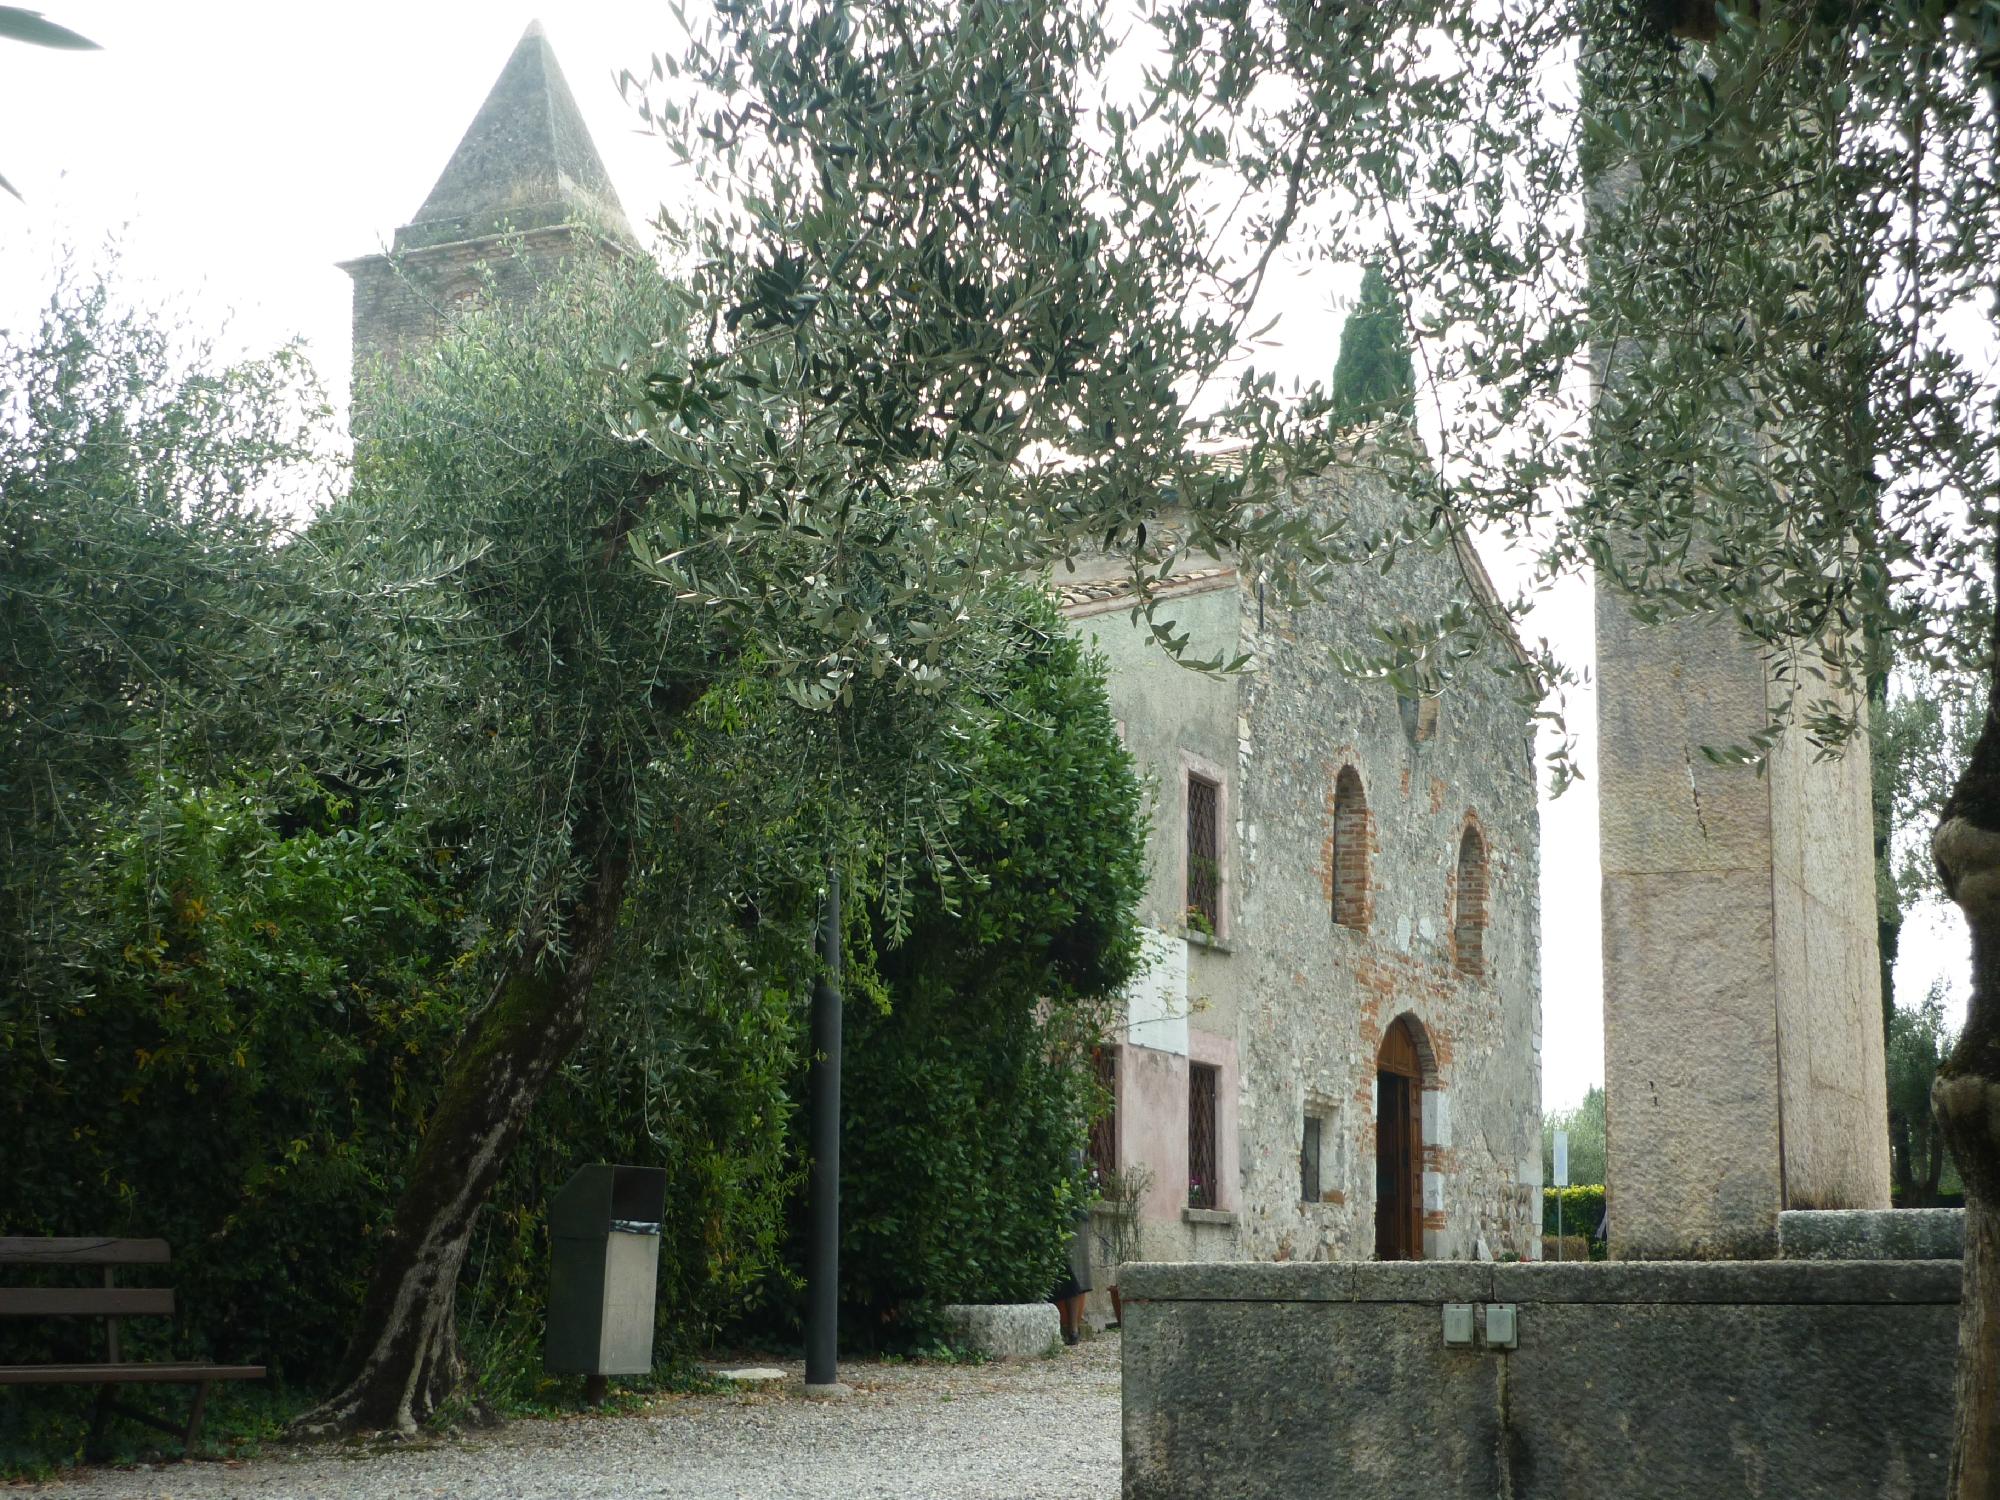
(1335, 1049)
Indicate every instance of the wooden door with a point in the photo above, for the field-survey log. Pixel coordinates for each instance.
(1399, 1148)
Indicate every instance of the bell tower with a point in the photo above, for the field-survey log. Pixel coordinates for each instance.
(524, 190)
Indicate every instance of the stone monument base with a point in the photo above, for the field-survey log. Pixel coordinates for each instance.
(1665, 1380)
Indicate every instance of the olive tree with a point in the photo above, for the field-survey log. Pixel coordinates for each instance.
(929, 338)
(518, 676)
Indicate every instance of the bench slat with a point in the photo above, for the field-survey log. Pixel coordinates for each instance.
(95, 1250)
(86, 1301)
(169, 1373)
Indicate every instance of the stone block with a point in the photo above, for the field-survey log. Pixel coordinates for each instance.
(1743, 1052)
(1872, 1234)
(1283, 1400)
(1790, 1380)
(1004, 1330)
(1690, 1055)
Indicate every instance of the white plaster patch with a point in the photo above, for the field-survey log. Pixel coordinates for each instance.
(1426, 929)
(1403, 934)
(1433, 1192)
(1437, 1117)
(1156, 1004)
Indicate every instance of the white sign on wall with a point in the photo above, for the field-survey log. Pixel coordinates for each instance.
(1156, 1007)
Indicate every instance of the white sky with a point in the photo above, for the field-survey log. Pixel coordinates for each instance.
(238, 150)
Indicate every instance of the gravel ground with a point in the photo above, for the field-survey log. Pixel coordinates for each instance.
(1042, 1429)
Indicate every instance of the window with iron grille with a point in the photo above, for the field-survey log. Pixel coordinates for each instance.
(1104, 1130)
(1202, 1082)
(1309, 1191)
(1204, 858)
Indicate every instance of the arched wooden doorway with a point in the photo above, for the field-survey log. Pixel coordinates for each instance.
(1399, 1146)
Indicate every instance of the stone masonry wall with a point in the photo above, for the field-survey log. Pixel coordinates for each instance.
(403, 302)
(1824, 1380)
(1293, 995)
(1321, 992)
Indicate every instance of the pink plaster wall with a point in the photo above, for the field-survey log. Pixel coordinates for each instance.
(1152, 1126)
(1153, 1122)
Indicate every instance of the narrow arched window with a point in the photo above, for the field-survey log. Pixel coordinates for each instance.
(1468, 931)
(1350, 850)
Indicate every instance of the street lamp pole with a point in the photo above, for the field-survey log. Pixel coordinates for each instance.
(823, 1193)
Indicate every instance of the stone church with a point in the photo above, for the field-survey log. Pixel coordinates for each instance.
(1337, 1053)
(1336, 1049)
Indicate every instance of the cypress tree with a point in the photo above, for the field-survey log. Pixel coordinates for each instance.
(1373, 378)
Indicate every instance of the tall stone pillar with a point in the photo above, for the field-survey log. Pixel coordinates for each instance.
(1742, 988)
(1742, 1019)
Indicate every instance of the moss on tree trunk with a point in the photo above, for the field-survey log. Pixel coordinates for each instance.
(404, 1363)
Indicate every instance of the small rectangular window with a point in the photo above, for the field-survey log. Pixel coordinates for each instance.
(1203, 1083)
(1309, 1188)
(1204, 859)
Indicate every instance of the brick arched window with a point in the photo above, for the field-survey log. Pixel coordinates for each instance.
(1468, 931)
(1350, 850)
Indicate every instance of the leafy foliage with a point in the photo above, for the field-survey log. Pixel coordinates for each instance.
(261, 994)
(1582, 1213)
(1918, 1044)
(142, 599)
(1919, 740)
(1585, 1124)
(969, 1086)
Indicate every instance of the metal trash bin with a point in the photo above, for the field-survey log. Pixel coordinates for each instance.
(604, 1264)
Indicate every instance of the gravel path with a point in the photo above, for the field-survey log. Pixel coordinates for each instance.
(1044, 1429)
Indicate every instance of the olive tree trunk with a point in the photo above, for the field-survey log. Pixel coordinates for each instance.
(1966, 1099)
(404, 1361)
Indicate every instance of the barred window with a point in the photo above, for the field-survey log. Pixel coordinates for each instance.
(1104, 1129)
(1202, 1088)
(1204, 861)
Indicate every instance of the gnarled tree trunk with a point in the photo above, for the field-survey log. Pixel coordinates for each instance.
(1966, 1098)
(404, 1362)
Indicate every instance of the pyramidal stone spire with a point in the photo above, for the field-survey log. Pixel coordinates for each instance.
(524, 191)
(526, 161)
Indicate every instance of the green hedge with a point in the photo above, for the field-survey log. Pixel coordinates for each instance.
(262, 995)
(1582, 1209)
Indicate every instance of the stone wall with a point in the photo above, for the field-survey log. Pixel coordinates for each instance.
(1326, 991)
(1292, 994)
(1666, 1381)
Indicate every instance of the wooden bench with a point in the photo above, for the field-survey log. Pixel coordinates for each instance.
(112, 1303)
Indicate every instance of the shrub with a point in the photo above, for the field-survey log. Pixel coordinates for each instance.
(968, 1084)
(261, 994)
(1582, 1210)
